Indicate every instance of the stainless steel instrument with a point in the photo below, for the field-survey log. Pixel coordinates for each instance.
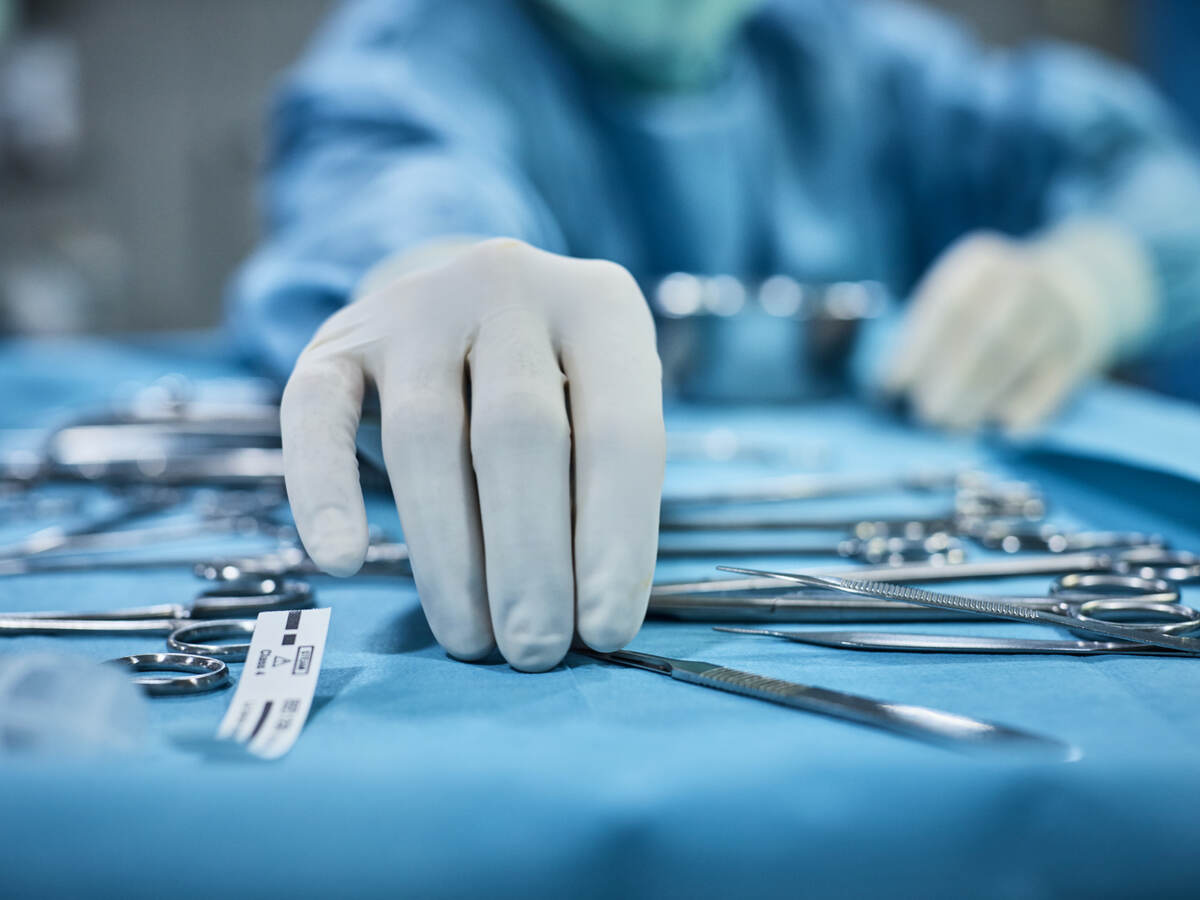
(992, 607)
(912, 721)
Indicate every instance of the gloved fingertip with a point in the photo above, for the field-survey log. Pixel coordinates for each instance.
(604, 631)
(530, 650)
(468, 647)
(539, 657)
(337, 542)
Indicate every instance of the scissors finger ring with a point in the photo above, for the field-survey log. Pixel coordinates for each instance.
(184, 640)
(1154, 562)
(250, 596)
(1109, 585)
(202, 673)
(1165, 618)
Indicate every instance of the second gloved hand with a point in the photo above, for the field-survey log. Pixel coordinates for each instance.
(1001, 331)
(511, 383)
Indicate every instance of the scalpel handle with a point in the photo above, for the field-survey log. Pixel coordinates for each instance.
(915, 721)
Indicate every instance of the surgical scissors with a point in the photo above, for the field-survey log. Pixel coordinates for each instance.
(245, 597)
(184, 627)
(997, 607)
(202, 673)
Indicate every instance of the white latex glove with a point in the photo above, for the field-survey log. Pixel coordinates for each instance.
(511, 382)
(1001, 331)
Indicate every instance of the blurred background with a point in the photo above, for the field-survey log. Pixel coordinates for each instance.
(131, 130)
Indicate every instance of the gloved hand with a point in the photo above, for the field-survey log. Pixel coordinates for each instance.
(513, 383)
(1001, 331)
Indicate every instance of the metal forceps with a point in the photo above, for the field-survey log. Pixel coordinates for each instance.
(733, 594)
(1166, 636)
(184, 627)
(1151, 603)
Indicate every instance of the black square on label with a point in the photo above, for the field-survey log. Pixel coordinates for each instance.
(289, 639)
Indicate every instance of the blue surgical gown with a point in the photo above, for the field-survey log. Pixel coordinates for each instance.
(843, 140)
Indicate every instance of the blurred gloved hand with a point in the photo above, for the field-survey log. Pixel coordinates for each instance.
(512, 383)
(1001, 331)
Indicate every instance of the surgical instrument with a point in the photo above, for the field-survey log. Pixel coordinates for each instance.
(1147, 595)
(812, 487)
(985, 606)
(225, 512)
(106, 542)
(57, 537)
(1145, 562)
(202, 673)
(883, 550)
(913, 721)
(863, 529)
(953, 643)
(138, 538)
(184, 626)
(1017, 536)
(382, 558)
(181, 634)
(186, 638)
(245, 597)
(723, 445)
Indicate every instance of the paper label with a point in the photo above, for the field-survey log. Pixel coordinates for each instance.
(276, 689)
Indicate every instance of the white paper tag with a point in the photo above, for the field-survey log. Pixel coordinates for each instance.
(276, 689)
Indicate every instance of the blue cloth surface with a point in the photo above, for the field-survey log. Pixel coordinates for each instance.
(419, 776)
(844, 141)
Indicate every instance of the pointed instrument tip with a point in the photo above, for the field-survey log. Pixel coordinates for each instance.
(740, 571)
(733, 629)
(794, 577)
